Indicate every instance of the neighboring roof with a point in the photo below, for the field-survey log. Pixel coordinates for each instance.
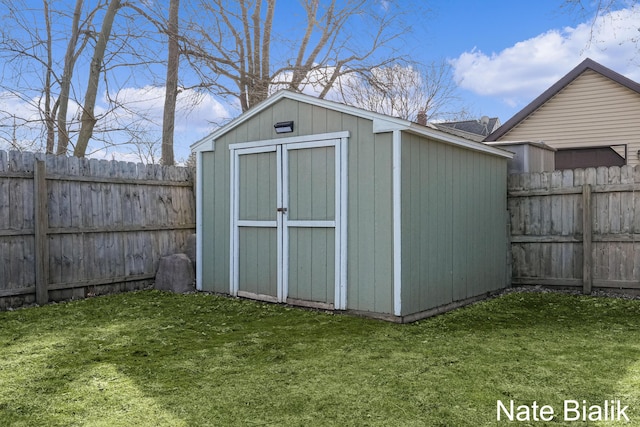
(381, 123)
(475, 130)
(587, 64)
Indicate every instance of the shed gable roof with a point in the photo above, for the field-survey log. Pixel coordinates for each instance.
(381, 123)
(533, 106)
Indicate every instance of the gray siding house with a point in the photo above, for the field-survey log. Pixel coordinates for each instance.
(314, 203)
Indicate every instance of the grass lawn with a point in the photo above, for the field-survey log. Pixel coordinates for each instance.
(158, 359)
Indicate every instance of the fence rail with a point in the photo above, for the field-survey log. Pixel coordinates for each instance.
(576, 228)
(70, 226)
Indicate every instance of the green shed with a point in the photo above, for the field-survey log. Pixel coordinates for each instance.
(315, 203)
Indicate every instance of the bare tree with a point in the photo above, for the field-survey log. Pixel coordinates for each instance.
(403, 91)
(45, 53)
(232, 45)
(21, 57)
(48, 114)
(73, 76)
(171, 85)
(88, 117)
(595, 11)
(74, 49)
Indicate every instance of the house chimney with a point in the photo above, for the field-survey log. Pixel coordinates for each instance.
(422, 118)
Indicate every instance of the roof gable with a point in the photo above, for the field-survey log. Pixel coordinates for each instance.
(584, 66)
(381, 123)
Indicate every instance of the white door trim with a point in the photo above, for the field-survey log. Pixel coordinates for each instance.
(236, 222)
(281, 146)
(290, 140)
(336, 224)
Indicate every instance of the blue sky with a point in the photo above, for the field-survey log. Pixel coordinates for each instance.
(503, 54)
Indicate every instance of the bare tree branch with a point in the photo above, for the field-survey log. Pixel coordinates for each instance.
(235, 41)
(88, 117)
(405, 90)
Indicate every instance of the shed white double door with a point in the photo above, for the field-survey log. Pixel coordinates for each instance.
(287, 221)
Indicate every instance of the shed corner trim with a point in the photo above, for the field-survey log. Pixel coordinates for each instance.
(397, 218)
(205, 144)
(199, 219)
(382, 125)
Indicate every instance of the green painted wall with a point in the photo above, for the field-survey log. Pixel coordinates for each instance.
(312, 250)
(258, 266)
(370, 226)
(312, 184)
(453, 223)
(453, 216)
(215, 227)
(258, 175)
(369, 207)
(312, 264)
(257, 253)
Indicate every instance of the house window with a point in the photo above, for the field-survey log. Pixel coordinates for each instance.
(572, 158)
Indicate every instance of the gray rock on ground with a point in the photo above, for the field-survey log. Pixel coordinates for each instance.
(175, 274)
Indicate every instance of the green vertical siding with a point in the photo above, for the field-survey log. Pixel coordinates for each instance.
(370, 239)
(312, 264)
(258, 245)
(453, 224)
(258, 261)
(215, 228)
(258, 197)
(312, 184)
(311, 275)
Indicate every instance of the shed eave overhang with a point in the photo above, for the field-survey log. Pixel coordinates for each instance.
(441, 136)
(205, 144)
(508, 143)
(381, 124)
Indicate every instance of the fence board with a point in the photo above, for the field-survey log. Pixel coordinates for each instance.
(576, 228)
(105, 226)
(41, 248)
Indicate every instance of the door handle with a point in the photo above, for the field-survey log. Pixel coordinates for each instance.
(283, 210)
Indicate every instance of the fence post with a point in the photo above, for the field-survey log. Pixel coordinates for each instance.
(587, 238)
(41, 217)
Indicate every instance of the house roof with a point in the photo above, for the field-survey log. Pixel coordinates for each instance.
(587, 64)
(381, 123)
(475, 130)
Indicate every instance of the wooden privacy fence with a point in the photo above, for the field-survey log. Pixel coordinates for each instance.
(70, 226)
(576, 228)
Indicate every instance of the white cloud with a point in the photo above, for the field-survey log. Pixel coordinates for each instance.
(13, 106)
(200, 112)
(311, 85)
(140, 110)
(195, 112)
(20, 123)
(197, 115)
(519, 73)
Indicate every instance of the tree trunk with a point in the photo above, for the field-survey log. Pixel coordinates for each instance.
(171, 86)
(88, 120)
(65, 81)
(48, 115)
